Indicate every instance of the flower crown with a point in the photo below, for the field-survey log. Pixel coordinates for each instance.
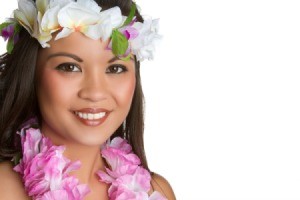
(45, 17)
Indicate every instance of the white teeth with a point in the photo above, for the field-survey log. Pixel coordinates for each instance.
(90, 116)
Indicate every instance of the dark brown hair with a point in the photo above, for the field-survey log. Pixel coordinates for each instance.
(19, 102)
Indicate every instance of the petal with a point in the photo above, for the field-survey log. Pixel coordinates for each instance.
(42, 5)
(112, 16)
(89, 4)
(58, 194)
(155, 25)
(81, 191)
(106, 31)
(71, 166)
(27, 7)
(130, 32)
(64, 33)
(156, 196)
(74, 16)
(43, 39)
(93, 32)
(104, 177)
(50, 21)
(23, 21)
(60, 3)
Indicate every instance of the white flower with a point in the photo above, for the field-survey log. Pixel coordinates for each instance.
(43, 18)
(42, 5)
(78, 17)
(89, 4)
(109, 19)
(143, 45)
(26, 14)
(47, 18)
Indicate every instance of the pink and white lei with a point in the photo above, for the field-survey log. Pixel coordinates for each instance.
(45, 171)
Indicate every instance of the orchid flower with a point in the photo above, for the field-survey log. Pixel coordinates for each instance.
(144, 45)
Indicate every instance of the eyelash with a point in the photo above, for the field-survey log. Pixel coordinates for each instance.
(62, 67)
(112, 69)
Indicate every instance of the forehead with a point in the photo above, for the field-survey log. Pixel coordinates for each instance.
(80, 45)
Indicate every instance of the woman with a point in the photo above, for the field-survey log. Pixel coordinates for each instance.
(70, 83)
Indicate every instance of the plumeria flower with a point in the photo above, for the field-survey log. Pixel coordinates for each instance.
(42, 18)
(26, 14)
(78, 17)
(48, 20)
(109, 20)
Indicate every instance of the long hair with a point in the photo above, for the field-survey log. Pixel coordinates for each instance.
(19, 101)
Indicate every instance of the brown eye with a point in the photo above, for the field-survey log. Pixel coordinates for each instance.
(116, 69)
(68, 67)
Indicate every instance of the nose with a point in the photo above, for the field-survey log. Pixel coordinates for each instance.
(94, 88)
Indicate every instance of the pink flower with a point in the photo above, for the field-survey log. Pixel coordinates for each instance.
(118, 154)
(8, 32)
(45, 169)
(138, 182)
(129, 32)
(58, 194)
(119, 162)
(128, 180)
(156, 196)
(119, 144)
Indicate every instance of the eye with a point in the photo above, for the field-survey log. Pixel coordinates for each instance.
(116, 69)
(68, 67)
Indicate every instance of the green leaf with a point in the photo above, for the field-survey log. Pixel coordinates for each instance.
(10, 45)
(131, 15)
(17, 29)
(4, 25)
(119, 43)
(126, 58)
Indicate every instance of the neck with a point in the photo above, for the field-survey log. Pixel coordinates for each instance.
(88, 155)
(90, 158)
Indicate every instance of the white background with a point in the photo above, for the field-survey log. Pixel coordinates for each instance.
(222, 97)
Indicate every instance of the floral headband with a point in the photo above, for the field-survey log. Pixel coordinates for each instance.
(41, 19)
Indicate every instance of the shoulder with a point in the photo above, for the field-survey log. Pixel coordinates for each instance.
(11, 186)
(161, 185)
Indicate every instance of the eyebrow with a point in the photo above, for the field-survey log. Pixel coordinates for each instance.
(116, 58)
(79, 59)
(65, 54)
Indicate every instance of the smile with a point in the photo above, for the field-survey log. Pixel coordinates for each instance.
(90, 116)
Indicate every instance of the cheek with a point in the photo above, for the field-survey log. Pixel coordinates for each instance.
(124, 90)
(51, 88)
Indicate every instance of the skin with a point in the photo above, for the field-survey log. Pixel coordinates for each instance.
(94, 79)
(76, 73)
(65, 85)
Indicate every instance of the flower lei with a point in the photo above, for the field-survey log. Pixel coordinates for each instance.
(45, 171)
(45, 17)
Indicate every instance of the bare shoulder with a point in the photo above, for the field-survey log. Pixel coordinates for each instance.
(160, 184)
(11, 186)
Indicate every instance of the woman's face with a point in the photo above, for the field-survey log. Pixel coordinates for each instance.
(84, 91)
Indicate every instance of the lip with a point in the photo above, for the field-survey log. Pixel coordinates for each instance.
(92, 110)
(92, 122)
